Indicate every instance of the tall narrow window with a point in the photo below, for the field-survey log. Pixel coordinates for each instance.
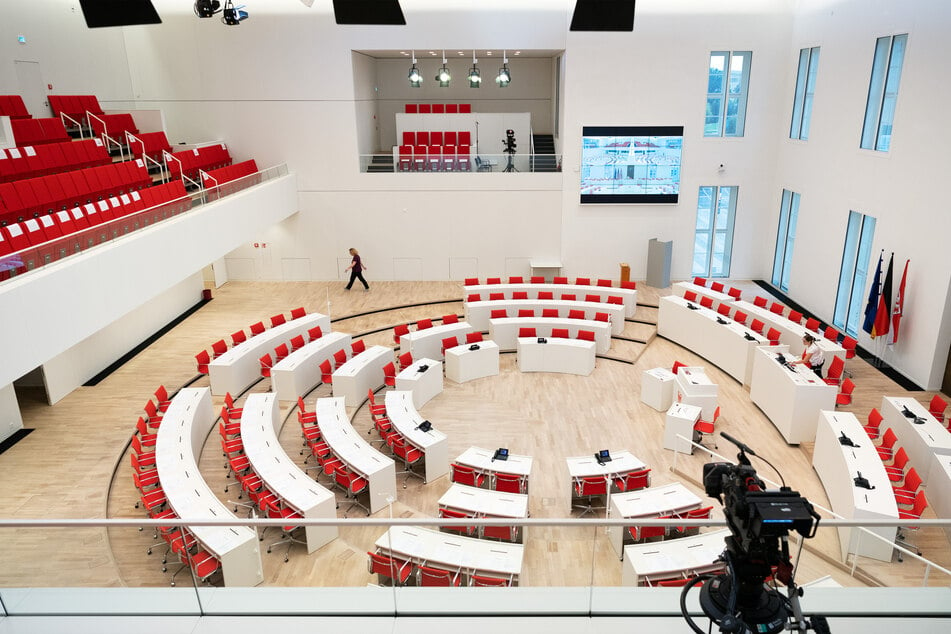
(805, 88)
(883, 92)
(713, 241)
(854, 271)
(727, 86)
(785, 237)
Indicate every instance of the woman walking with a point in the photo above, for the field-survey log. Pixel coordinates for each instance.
(356, 269)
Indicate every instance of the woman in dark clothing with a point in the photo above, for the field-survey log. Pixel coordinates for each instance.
(356, 270)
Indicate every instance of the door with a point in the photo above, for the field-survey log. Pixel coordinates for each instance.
(32, 88)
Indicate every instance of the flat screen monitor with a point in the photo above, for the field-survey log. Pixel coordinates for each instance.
(631, 164)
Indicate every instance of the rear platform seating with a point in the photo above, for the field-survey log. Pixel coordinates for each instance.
(12, 106)
(74, 106)
(151, 144)
(52, 158)
(113, 125)
(206, 158)
(223, 175)
(38, 131)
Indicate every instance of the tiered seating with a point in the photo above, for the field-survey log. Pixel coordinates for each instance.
(240, 336)
(438, 108)
(30, 162)
(12, 106)
(229, 173)
(38, 131)
(151, 144)
(189, 162)
(435, 151)
(74, 106)
(45, 194)
(113, 125)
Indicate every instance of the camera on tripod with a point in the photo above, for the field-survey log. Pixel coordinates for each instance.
(760, 519)
(509, 142)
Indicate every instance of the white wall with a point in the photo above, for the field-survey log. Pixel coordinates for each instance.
(10, 419)
(55, 308)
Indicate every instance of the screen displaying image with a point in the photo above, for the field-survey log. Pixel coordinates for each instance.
(631, 164)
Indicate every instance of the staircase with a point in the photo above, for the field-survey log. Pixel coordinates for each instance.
(381, 163)
(544, 159)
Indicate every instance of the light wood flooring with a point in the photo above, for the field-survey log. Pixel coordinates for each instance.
(75, 465)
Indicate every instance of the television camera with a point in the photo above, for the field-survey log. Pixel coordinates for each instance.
(760, 519)
(510, 145)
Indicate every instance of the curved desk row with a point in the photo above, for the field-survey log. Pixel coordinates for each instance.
(569, 356)
(922, 440)
(406, 420)
(716, 297)
(351, 447)
(425, 384)
(479, 313)
(186, 424)
(240, 366)
(363, 372)
(627, 295)
(728, 345)
(669, 499)
(478, 502)
(837, 465)
(428, 342)
(505, 332)
(790, 333)
(672, 559)
(260, 425)
(299, 372)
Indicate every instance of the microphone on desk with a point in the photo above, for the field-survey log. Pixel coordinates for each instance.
(741, 445)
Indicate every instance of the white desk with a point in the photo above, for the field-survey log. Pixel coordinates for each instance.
(680, 419)
(717, 297)
(837, 465)
(657, 388)
(669, 499)
(790, 333)
(363, 372)
(350, 447)
(620, 464)
(627, 295)
(921, 441)
(729, 345)
(240, 366)
(260, 425)
(406, 420)
(791, 399)
(479, 313)
(570, 356)
(482, 462)
(452, 552)
(463, 364)
(186, 424)
(694, 387)
(939, 487)
(298, 373)
(484, 502)
(424, 385)
(428, 342)
(505, 331)
(672, 558)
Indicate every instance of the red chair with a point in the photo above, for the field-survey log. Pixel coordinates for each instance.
(526, 312)
(590, 489)
(546, 295)
(297, 313)
(482, 581)
(757, 326)
(812, 324)
(405, 360)
(844, 397)
(434, 577)
(617, 300)
(468, 531)
(776, 308)
(906, 492)
(537, 279)
(569, 297)
(735, 293)
(559, 280)
(326, 372)
(520, 295)
(605, 283)
(340, 357)
(399, 331)
(919, 504)
(257, 329)
(281, 352)
(396, 570)
(602, 317)
(834, 375)
(694, 514)
(353, 485)
(676, 366)
(849, 344)
(502, 533)
(550, 313)
(410, 456)
(690, 296)
(493, 280)
(773, 335)
(498, 313)
(886, 449)
(643, 533)
(700, 281)
(315, 333)
(526, 332)
(630, 286)
(896, 469)
(471, 281)
(633, 481)
(831, 333)
(449, 342)
(161, 398)
(389, 374)
(266, 364)
(592, 298)
(717, 286)
(794, 315)
(706, 302)
(496, 297)
(706, 427)
(474, 337)
(474, 297)
(462, 474)
(575, 314)
(516, 279)
(509, 483)
(424, 324)
(740, 317)
(724, 309)
(358, 347)
(278, 319)
(874, 423)
(560, 333)
(586, 335)
(450, 319)
(937, 407)
(238, 337)
(219, 348)
(759, 301)
(233, 412)
(203, 359)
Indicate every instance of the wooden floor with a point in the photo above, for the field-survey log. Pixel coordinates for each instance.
(75, 463)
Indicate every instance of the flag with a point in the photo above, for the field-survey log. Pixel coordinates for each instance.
(884, 313)
(872, 304)
(899, 304)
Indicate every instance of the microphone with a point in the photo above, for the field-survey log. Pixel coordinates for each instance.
(742, 446)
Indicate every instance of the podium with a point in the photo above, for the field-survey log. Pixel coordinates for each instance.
(657, 388)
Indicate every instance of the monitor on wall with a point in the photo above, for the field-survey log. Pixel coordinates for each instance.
(631, 164)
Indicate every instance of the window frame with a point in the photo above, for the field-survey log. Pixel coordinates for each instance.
(804, 94)
(853, 272)
(727, 96)
(883, 85)
(785, 239)
(724, 232)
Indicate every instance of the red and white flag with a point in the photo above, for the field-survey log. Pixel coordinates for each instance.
(899, 304)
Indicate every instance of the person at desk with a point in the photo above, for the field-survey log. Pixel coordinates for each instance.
(812, 354)
(356, 270)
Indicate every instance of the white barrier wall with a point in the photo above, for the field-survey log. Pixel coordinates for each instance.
(10, 419)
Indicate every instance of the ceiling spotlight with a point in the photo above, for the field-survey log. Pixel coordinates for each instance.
(475, 77)
(415, 78)
(207, 8)
(231, 15)
(505, 75)
(443, 76)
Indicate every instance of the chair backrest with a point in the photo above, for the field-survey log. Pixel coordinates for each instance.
(325, 368)
(258, 328)
(776, 308)
(912, 480)
(516, 279)
(937, 406)
(219, 347)
(399, 331)
(546, 295)
(901, 459)
(698, 514)
(568, 297)
(888, 439)
(759, 301)
(473, 337)
(847, 386)
(498, 313)
(757, 326)
(490, 582)
(617, 300)
(389, 369)
(424, 324)
(449, 342)
(559, 280)
(706, 302)
(429, 577)
(537, 279)
(359, 346)
(526, 312)
(559, 333)
(740, 317)
(340, 357)
(831, 333)
(281, 351)
(238, 337)
(921, 503)
(278, 319)
(493, 280)
(836, 368)
(592, 298)
(812, 324)
(471, 281)
(717, 286)
(406, 359)
(700, 281)
(315, 333)
(677, 365)
(593, 486)
(508, 483)
(605, 317)
(383, 565)
(605, 283)
(520, 295)
(450, 319)
(583, 281)
(586, 335)
(575, 314)
(690, 296)
(773, 336)
(636, 480)
(496, 297)
(526, 332)
(874, 418)
(297, 313)
(474, 297)
(724, 309)
(550, 313)
(463, 474)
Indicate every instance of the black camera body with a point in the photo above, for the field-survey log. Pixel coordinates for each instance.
(509, 142)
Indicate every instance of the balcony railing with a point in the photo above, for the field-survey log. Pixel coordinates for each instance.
(474, 163)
